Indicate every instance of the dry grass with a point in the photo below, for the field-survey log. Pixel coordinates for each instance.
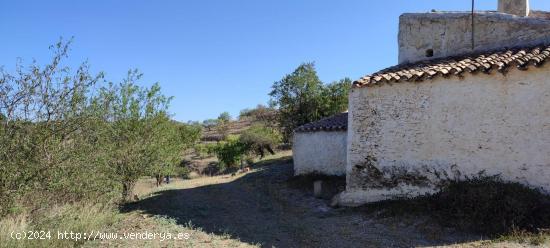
(147, 186)
(78, 218)
(274, 210)
(140, 223)
(86, 218)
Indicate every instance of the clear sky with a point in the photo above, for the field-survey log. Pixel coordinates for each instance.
(216, 55)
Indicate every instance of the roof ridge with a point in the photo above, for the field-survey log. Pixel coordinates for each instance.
(500, 59)
(337, 122)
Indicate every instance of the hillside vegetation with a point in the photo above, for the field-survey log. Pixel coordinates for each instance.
(74, 144)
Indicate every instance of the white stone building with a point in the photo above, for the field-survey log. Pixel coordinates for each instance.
(453, 109)
(320, 147)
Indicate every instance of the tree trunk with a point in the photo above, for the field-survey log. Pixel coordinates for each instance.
(127, 189)
(159, 180)
(268, 147)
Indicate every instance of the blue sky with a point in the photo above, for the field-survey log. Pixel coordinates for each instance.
(216, 55)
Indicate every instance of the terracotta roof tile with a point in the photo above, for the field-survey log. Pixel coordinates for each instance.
(337, 122)
(501, 61)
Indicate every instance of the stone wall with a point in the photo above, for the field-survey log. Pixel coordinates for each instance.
(406, 138)
(320, 152)
(442, 34)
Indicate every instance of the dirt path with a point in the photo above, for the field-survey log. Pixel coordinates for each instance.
(261, 208)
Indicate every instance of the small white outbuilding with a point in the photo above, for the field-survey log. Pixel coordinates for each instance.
(320, 147)
(460, 104)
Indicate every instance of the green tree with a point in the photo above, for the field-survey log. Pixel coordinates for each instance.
(224, 116)
(137, 118)
(335, 97)
(297, 97)
(230, 152)
(209, 123)
(301, 97)
(259, 138)
(51, 134)
(66, 138)
(170, 140)
(190, 133)
(222, 124)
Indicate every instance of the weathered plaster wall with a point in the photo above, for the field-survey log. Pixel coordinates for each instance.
(405, 138)
(449, 33)
(320, 152)
(514, 7)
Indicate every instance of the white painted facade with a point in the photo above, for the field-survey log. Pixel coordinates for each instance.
(320, 152)
(404, 138)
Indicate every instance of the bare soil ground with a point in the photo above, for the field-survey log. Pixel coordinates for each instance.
(266, 207)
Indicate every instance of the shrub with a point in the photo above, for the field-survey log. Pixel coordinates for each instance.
(260, 138)
(209, 123)
(225, 116)
(230, 152)
(211, 148)
(203, 150)
(200, 150)
(182, 171)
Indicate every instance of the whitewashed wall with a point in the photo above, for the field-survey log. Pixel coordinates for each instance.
(320, 152)
(405, 137)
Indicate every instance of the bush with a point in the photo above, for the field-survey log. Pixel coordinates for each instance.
(211, 148)
(225, 117)
(200, 150)
(260, 138)
(230, 152)
(203, 150)
(182, 171)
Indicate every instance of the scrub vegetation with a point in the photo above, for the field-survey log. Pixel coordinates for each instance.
(74, 145)
(70, 140)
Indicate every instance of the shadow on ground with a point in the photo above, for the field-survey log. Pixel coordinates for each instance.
(262, 208)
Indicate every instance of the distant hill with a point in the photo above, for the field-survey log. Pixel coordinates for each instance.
(235, 127)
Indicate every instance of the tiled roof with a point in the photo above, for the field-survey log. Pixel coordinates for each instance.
(337, 122)
(501, 61)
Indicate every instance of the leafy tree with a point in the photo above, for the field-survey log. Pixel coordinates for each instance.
(254, 141)
(222, 126)
(169, 142)
(259, 139)
(190, 133)
(230, 151)
(136, 117)
(225, 116)
(301, 97)
(209, 123)
(66, 138)
(297, 98)
(335, 97)
(50, 134)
